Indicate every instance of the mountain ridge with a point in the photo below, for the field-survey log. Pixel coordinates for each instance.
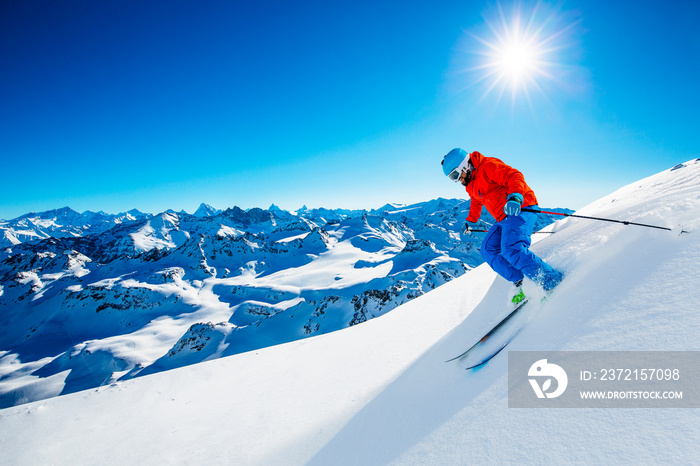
(181, 288)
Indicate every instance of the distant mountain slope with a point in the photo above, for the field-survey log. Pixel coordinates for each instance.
(60, 223)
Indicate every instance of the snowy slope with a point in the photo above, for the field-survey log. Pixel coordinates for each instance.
(380, 392)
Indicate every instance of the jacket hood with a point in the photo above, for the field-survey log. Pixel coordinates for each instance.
(476, 158)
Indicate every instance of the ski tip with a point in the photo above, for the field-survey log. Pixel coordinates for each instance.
(479, 366)
(476, 367)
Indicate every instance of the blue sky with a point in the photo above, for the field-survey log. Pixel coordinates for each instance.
(156, 105)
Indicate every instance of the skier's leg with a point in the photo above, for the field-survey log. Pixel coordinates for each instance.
(515, 246)
(491, 252)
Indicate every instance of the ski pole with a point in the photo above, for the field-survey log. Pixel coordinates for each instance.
(624, 222)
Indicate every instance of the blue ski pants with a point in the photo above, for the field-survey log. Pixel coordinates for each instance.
(506, 248)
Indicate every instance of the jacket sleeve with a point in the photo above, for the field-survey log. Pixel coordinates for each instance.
(474, 211)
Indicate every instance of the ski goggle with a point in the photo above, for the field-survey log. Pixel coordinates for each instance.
(457, 172)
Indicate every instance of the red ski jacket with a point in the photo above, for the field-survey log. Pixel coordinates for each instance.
(491, 183)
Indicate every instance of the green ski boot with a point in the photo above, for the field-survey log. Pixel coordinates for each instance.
(520, 295)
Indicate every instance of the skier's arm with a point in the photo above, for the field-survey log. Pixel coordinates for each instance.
(474, 211)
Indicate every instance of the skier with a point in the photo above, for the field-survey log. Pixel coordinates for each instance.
(503, 191)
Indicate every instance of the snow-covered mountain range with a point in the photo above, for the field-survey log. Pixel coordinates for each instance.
(60, 223)
(381, 392)
(89, 299)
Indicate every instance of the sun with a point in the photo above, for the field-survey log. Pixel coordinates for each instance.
(521, 52)
(517, 60)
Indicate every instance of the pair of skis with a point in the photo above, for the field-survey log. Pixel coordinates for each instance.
(496, 339)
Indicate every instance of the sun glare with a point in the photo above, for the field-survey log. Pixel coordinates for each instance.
(516, 60)
(518, 55)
